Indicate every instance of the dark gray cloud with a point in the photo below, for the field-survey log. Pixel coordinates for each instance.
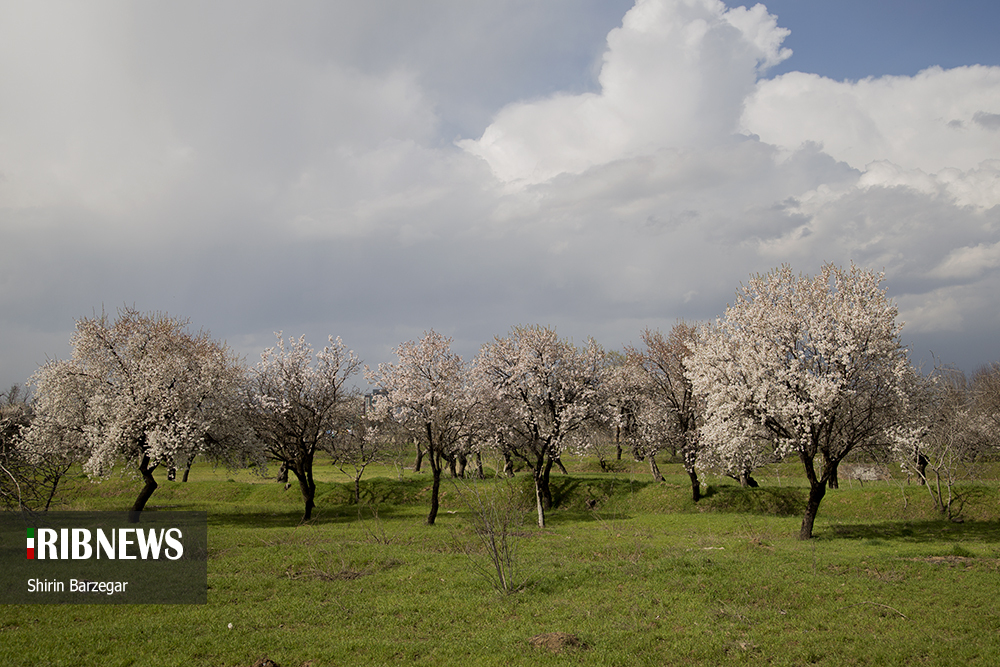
(991, 121)
(257, 167)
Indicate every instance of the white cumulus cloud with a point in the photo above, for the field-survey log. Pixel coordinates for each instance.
(675, 74)
(935, 120)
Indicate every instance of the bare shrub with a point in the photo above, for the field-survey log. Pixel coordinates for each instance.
(496, 513)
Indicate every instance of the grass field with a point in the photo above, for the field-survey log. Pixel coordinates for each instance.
(645, 577)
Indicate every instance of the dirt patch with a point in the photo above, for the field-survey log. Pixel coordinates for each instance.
(267, 662)
(557, 641)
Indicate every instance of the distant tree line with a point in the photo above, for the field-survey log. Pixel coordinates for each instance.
(803, 367)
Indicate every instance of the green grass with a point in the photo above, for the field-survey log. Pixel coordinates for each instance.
(646, 578)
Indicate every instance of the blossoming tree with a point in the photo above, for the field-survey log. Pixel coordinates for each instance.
(426, 393)
(25, 483)
(816, 362)
(296, 402)
(638, 422)
(669, 414)
(142, 389)
(547, 389)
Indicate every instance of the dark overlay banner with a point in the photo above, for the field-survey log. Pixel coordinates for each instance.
(103, 558)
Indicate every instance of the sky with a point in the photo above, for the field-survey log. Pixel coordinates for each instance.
(375, 170)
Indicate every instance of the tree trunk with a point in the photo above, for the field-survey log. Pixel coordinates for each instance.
(308, 489)
(816, 492)
(655, 469)
(817, 489)
(420, 456)
(187, 469)
(508, 465)
(690, 454)
(695, 485)
(435, 460)
(546, 491)
(539, 497)
(746, 480)
(147, 490)
(56, 476)
(921, 467)
(461, 462)
(559, 463)
(832, 481)
(480, 473)
(283, 473)
(303, 472)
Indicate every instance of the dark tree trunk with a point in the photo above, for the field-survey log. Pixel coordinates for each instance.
(816, 493)
(480, 473)
(187, 469)
(559, 463)
(746, 480)
(508, 465)
(56, 476)
(283, 473)
(420, 456)
(435, 460)
(309, 496)
(461, 462)
(817, 489)
(695, 485)
(303, 472)
(655, 469)
(147, 490)
(921, 468)
(832, 481)
(546, 491)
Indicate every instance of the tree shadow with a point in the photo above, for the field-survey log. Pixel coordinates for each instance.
(588, 493)
(561, 517)
(322, 515)
(772, 501)
(916, 532)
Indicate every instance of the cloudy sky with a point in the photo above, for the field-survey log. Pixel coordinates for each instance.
(376, 169)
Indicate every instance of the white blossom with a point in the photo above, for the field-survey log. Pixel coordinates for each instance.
(814, 364)
(426, 393)
(542, 389)
(143, 390)
(295, 402)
